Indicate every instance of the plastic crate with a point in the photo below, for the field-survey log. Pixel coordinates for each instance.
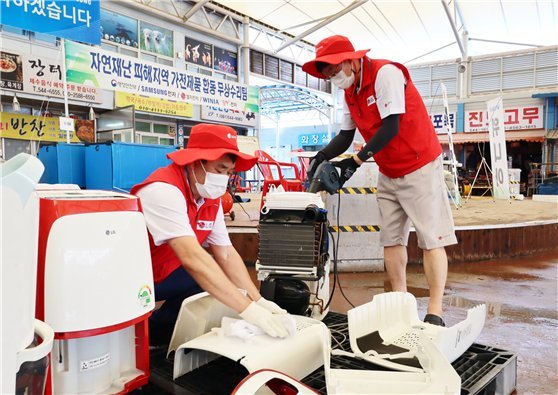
(120, 166)
(64, 163)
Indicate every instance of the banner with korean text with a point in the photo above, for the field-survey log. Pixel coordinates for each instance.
(153, 104)
(77, 20)
(515, 118)
(29, 127)
(498, 154)
(112, 71)
(225, 115)
(42, 76)
(438, 122)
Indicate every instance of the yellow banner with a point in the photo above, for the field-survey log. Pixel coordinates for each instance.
(153, 104)
(29, 127)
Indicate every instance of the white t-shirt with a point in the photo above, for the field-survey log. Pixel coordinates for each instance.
(390, 95)
(166, 215)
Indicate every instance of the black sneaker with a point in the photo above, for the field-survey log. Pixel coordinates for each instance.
(434, 320)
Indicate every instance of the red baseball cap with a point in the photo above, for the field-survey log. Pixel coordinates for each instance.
(332, 50)
(210, 142)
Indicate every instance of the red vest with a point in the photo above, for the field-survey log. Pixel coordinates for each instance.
(163, 258)
(416, 143)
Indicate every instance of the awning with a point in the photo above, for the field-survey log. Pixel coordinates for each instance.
(536, 136)
(552, 134)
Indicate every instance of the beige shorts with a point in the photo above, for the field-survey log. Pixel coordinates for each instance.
(419, 197)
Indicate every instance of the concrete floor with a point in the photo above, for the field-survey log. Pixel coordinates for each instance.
(521, 297)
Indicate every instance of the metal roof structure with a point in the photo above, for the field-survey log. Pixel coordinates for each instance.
(278, 99)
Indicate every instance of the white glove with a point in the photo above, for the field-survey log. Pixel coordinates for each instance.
(270, 306)
(258, 315)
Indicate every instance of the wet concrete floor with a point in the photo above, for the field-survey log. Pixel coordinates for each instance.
(521, 295)
(522, 304)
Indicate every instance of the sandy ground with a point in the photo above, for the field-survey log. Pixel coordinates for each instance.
(475, 211)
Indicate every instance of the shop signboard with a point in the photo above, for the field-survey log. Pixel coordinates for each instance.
(225, 115)
(77, 20)
(30, 127)
(112, 71)
(198, 52)
(438, 122)
(225, 60)
(156, 39)
(153, 104)
(313, 139)
(119, 29)
(38, 75)
(515, 118)
(498, 154)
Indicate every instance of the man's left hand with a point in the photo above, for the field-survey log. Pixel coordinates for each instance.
(270, 306)
(348, 167)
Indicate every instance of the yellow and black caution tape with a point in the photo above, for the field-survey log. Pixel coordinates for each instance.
(358, 191)
(514, 182)
(355, 228)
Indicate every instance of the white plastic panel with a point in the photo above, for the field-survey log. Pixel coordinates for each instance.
(88, 257)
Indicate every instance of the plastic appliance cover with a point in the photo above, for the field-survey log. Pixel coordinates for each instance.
(196, 344)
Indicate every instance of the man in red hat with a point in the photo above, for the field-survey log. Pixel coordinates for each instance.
(384, 104)
(182, 208)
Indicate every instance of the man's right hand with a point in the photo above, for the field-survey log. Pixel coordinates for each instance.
(269, 322)
(314, 163)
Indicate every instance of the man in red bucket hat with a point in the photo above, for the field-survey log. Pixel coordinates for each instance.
(384, 104)
(182, 208)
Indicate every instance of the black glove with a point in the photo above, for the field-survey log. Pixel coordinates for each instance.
(314, 163)
(348, 167)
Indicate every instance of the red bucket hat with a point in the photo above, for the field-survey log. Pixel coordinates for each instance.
(210, 142)
(332, 50)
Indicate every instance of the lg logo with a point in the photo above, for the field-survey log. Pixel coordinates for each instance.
(110, 232)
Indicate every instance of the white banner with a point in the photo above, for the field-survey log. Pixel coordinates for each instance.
(220, 114)
(39, 75)
(498, 152)
(515, 118)
(112, 71)
(438, 122)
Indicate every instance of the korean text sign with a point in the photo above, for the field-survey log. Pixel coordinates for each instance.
(515, 118)
(29, 127)
(39, 75)
(77, 20)
(112, 71)
(498, 153)
(153, 104)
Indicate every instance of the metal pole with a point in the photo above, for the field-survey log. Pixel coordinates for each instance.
(66, 112)
(349, 8)
(454, 28)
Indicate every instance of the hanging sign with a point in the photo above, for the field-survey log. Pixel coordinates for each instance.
(313, 139)
(112, 71)
(515, 118)
(438, 122)
(29, 127)
(77, 20)
(40, 76)
(220, 114)
(498, 153)
(153, 104)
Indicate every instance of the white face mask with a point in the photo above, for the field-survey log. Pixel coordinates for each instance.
(215, 185)
(342, 80)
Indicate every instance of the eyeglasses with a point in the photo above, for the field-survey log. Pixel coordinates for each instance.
(331, 70)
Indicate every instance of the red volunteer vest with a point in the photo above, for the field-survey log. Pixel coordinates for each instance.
(416, 143)
(163, 258)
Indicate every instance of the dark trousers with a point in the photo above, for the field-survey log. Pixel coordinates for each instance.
(173, 290)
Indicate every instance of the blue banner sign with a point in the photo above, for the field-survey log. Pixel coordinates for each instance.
(313, 139)
(77, 20)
